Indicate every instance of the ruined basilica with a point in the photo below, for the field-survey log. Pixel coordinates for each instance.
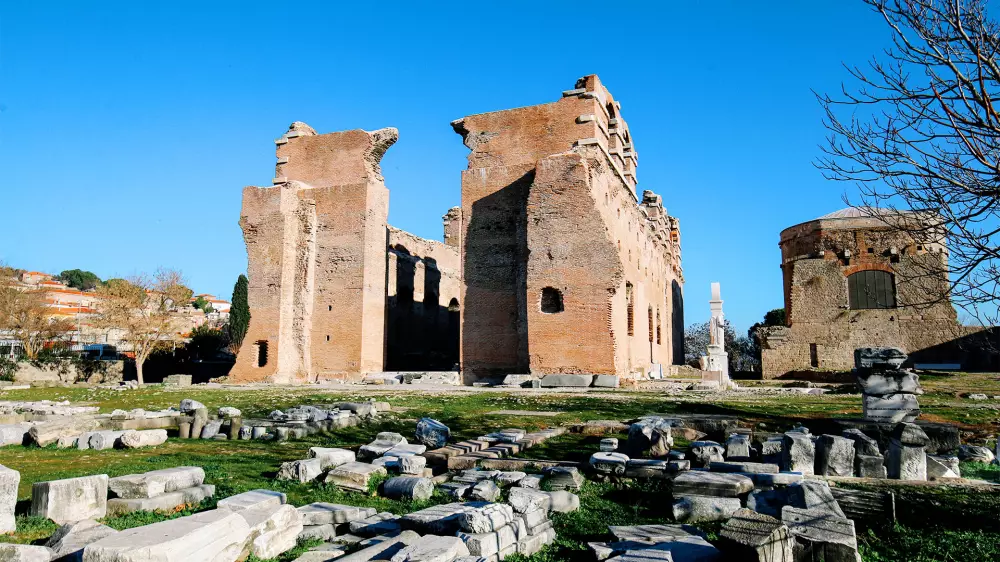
(553, 262)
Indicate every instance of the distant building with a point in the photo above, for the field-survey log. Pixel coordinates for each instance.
(850, 281)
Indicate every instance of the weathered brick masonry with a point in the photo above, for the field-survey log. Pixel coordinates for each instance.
(552, 264)
(564, 270)
(893, 302)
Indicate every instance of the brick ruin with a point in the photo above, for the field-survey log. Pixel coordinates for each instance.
(852, 281)
(553, 263)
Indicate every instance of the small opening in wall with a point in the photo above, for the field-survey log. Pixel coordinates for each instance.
(813, 356)
(919, 247)
(261, 348)
(871, 250)
(552, 300)
(327, 338)
(329, 307)
(630, 310)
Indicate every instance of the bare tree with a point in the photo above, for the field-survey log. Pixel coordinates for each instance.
(26, 317)
(919, 134)
(143, 308)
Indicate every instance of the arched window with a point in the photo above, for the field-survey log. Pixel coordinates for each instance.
(453, 306)
(871, 289)
(552, 300)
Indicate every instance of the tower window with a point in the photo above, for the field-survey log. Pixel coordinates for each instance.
(630, 309)
(552, 300)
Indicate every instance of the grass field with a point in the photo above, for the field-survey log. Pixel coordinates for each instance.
(971, 533)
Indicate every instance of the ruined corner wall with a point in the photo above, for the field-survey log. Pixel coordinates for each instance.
(822, 330)
(549, 202)
(317, 264)
(422, 303)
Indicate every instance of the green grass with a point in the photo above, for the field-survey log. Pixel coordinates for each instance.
(237, 466)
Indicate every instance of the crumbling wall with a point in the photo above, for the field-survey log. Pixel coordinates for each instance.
(316, 247)
(823, 331)
(513, 218)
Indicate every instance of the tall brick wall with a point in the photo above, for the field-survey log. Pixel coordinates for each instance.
(317, 259)
(548, 188)
(822, 330)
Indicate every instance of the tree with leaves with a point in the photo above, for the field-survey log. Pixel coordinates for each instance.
(26, 317)
(80, 279)
(143, 309)
(239, 314)
(739, 348)
(918, 131)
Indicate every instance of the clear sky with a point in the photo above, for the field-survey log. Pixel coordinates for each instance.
(127, 129)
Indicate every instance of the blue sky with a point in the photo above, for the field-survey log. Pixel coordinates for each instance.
(127, 130)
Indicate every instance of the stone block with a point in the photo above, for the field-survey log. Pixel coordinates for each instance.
(893, 408)
(798, 453)
(211, 429)
(564, 478)
(975, 453)
(743, 467)
(905, 462)
(698, 509)
(563, 502)
(606, 381)
(770, 450)
(24, 553)
(322, 513)
(439, 519)
(609, 445)
(48, 432)
(754, 537)
(383, 442)
(133, 439)
(813, 495)
(72, 499)
(10, 479)
(492, 543)
(866, 466)
(408, 488)
(104, 440)
(156, 482)
(167, 501)
(909, 434)
(354, 475)
(863, 445)
(942, 467)
(378, 524)
(711, 484)
(432, 548)
(219, 535)
(878, 359)
(524, 500)
(834, 456)
(331, 456)
(737, 447)
(821, 535)
(485, 490)
(322, 553)
(487, 518)
(14, 434)
(177, 380)
(326, 532)
(68, 542)
(432, 433)
(252, 499)
(890, 382)
(703, 453)
(656, 533)
(609, 463)
(649, 434)
(305, 470)
(273, 529)
(565, 380)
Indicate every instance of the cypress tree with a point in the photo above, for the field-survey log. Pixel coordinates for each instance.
(239, 314)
